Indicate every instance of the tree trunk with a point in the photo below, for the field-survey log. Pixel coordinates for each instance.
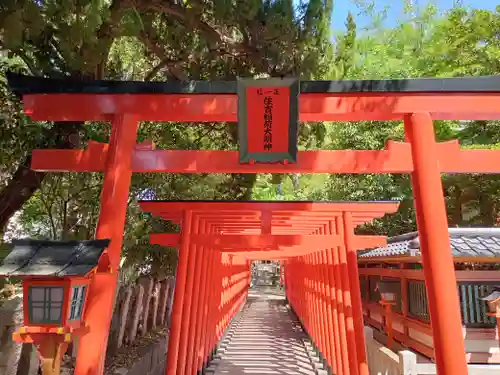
(487, 209)
(457, 216)
(20, 188)
(25, 182)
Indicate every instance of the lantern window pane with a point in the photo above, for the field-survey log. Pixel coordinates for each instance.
(37, 294)
(77, 300)
(55, 313)
(45, 304)
(37, 314)
(56, 294)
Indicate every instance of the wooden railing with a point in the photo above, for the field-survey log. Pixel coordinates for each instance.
(410, 316)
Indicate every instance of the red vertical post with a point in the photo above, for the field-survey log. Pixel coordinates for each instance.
(439, 269)
(330, 336)
(316, 292)
(209, 325)
(298, 278)
(313, 287)
(289, 285)
(357, 304)
(223, 299)
(288, 290)
(312, 301)
(203, 315)
(307, 296)
(292, 288)
(186, 329)
(114, 198)
(332, 315)
(216, 302)
(321, 304)
(227, 299)
(181, 276)
(339, 287)
(195, 308)
(299, 281)
(349, 320)
(300, 267)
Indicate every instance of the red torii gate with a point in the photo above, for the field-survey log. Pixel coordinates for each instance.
(326, 225)
(264, 233)
(417, 102)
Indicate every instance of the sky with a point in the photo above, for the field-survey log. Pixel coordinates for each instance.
(342, 7)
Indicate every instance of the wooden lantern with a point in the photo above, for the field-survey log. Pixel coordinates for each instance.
(389, 291)
(55, 277)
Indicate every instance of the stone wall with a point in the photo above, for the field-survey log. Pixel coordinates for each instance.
(15, 359)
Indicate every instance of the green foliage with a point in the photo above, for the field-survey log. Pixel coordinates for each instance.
(424, 44)
(17, 134)
(146, 40)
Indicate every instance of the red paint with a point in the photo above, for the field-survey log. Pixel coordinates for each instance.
(262, 103)
(179, 296)
(222, 108)
(330, 294)
(357, 305)
(395, 158)
(101, 292)
(333, 259)
(200, 263)
(439, 269)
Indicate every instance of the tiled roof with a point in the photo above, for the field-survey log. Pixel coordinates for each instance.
(465, 242)
(52, 258)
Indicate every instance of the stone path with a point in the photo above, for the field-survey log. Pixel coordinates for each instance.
(266, 339)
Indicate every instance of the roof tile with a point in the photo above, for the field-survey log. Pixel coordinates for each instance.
(464, 242)
(52, 258)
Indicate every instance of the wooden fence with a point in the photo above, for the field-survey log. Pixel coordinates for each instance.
(139, 309)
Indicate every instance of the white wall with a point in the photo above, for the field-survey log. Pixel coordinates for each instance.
(383, 361)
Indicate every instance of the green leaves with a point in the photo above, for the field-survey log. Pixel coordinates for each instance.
(459, 43)
(153, 40)
(14, 29)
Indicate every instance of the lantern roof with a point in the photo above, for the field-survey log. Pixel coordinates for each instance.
(465, 243)
(52, 258)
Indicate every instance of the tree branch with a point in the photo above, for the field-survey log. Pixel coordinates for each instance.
(106, 34)
(29, 63)
(218, 42)
(189, 16)
(154, 46)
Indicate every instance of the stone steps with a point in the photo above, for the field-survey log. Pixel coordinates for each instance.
(265, 338)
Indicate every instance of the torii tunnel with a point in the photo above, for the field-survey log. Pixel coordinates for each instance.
(314, 240)
(301, 234)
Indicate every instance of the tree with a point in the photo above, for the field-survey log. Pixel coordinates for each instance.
(458, 43)
(150, 40)
(178, 40)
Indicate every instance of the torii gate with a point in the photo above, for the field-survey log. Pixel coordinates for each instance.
(417, 102)
(304, 231)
